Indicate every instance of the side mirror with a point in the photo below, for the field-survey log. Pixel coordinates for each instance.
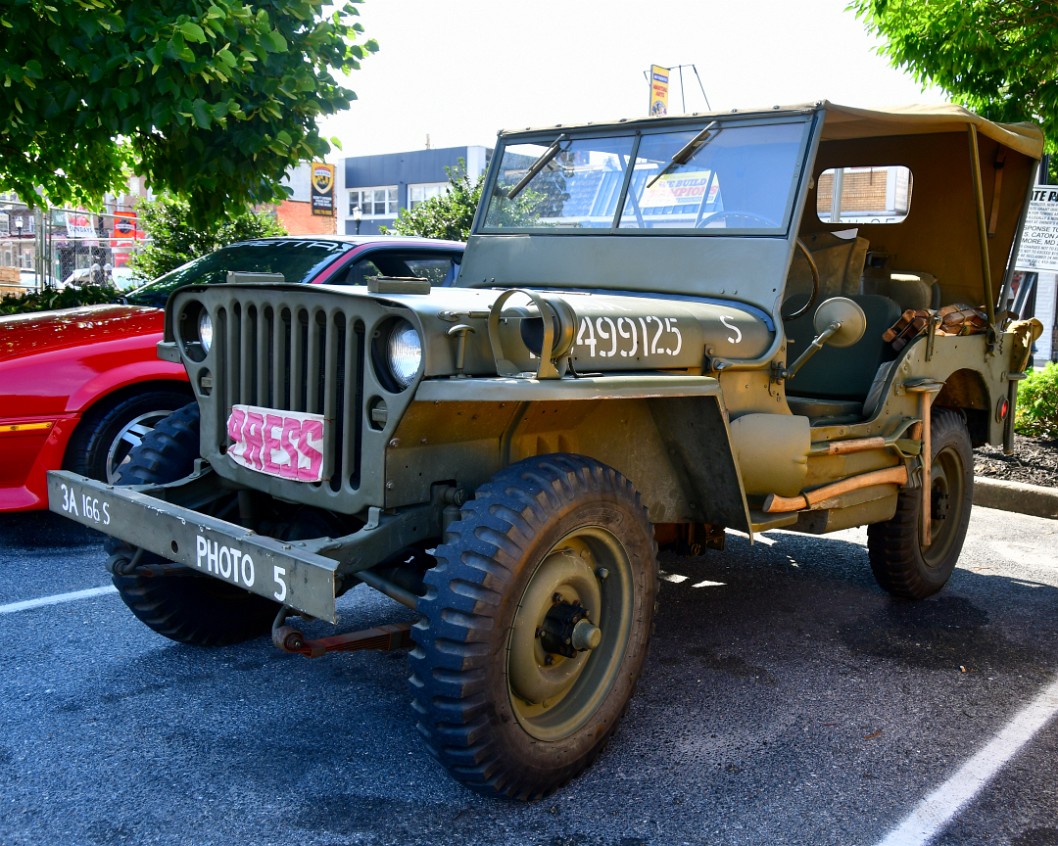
(839, 322)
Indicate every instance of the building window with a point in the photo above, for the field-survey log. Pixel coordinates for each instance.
(374, 202)
(423, 191)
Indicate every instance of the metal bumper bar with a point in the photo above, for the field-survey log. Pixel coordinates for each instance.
(284, 572)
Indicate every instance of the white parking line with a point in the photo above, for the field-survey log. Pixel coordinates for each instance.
(935, 811)
(57, 599)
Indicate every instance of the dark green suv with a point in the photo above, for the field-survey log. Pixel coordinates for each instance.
(662, 329)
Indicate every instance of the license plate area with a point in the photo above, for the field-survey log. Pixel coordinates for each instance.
(284, 444)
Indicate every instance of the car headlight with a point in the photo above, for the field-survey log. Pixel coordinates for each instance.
(205, 330)
(404, 352)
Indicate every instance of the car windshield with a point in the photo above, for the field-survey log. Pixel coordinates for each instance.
(714, 177)
(298, 261)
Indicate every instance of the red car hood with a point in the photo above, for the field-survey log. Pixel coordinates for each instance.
(46, 331)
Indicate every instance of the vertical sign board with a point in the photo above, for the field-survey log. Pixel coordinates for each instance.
(659, 90)
(1039, 252)
(1039, 239)
(322, 189)
(123, 237)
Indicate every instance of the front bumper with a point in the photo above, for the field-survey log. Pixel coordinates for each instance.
(285, 572)
(305, 575)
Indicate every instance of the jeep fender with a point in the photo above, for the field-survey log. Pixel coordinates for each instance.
(668, 434)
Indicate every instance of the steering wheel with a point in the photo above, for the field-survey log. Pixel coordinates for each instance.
(750, 220)
(815, 283)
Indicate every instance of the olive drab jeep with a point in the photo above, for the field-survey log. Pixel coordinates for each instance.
(662, 329)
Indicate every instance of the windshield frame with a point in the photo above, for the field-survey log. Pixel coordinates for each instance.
(633, 170)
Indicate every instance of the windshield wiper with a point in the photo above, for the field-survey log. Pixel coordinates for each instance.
(688, 151)
(538, 165)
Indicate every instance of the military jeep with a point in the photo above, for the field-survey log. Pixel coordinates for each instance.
(663, 329)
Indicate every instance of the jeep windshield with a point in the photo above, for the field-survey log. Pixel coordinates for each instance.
(713, 178)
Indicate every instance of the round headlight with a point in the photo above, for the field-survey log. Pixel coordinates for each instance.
(405, 352)
(205, 330)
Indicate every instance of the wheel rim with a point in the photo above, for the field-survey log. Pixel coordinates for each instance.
(130, 436)
(580, 595)
(947, 487)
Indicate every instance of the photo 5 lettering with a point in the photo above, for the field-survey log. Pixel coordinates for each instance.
(233, 565)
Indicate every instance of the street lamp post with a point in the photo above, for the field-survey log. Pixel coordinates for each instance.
(358, 216)
(19, 223)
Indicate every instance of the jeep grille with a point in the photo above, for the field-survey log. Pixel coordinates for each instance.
(296, 358)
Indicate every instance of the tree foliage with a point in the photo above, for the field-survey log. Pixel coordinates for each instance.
(997, 57)
(449, 215)
(174, 241)
(213, 100)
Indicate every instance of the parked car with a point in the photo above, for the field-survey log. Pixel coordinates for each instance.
(32, 280)
(82, 386)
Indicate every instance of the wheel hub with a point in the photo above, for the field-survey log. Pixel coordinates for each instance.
(940, 504)
(544, 662)
(567, 630)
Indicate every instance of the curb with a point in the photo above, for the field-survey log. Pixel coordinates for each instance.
(1033, 500)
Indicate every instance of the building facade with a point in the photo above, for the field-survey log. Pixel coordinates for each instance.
(372, 190)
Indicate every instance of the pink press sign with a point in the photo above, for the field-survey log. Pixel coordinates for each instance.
(287, 444)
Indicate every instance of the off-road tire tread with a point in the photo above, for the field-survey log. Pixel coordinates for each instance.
(475, 564)
(893, 546)
(186, 607)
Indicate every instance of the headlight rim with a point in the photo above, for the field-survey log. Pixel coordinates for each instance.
(403, 377)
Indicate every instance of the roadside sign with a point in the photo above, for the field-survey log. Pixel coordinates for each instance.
(659, 90)
(1039, 240)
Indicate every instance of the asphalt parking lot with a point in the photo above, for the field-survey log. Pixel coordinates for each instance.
(787, 700)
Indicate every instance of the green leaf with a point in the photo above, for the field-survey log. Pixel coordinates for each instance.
(193, 32)
(200, 112)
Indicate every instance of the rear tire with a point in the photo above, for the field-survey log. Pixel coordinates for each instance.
(535, 625)
(175, 601)
(898, 560)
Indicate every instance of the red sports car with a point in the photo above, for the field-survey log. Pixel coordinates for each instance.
(80, 387)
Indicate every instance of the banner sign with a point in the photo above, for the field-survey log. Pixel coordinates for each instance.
(80, 225)
(659, 90)
(322, 189)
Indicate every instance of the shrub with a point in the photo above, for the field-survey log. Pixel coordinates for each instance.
(51, 298)
(1037, 413)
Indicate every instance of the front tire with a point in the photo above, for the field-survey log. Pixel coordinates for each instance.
(172, 600)
(106, 435)
(534, 625)
(898, 560)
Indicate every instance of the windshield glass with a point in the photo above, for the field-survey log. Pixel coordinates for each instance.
(297, 260)
(713, 177)
(578, 187)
